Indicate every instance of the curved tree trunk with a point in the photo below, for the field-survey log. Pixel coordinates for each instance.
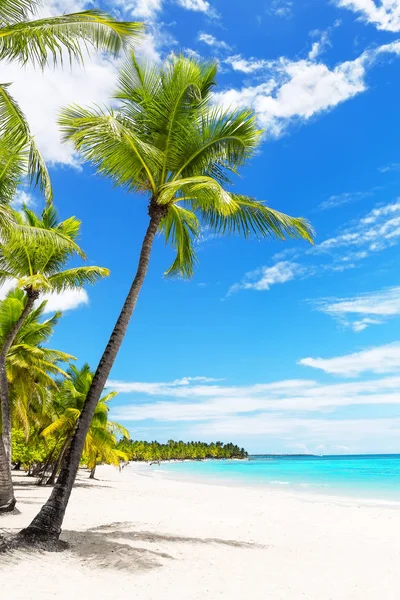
(7, 498)
(47, 523)
(52, 479)
(92, 472)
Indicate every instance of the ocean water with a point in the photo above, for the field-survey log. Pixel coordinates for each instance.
(375, 477)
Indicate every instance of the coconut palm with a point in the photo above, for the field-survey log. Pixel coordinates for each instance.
(37, 267)
(24, 38)
(101, 442)
(169, 141)
(29, 368)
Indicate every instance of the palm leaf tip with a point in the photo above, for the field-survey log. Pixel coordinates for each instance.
(49, 37)
(253, 218)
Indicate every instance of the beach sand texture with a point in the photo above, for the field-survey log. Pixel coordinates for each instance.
(148, 538)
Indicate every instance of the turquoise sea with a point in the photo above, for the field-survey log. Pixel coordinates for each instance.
(362, 476)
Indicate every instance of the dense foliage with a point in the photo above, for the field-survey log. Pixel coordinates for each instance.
(154, 451)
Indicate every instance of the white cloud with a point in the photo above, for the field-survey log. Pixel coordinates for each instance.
(149, 9)
(390, 167)
(42, 95)
(250, 65)
(379, 229)
(263, 278)
(345, 198)
(196, 5)
(382, 359)
(375, 307)
(385, 15)
(304, 410)
(23, 198)
(212, 41)
(298, 90)
(320, 45)
(207, 402)
(68, 300)
(280, 8)
(144, 9)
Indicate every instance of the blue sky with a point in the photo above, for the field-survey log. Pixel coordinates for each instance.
(280, 347)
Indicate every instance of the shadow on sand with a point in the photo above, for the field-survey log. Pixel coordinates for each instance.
(121, 546)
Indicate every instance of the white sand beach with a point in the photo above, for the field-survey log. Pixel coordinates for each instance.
(148, 538)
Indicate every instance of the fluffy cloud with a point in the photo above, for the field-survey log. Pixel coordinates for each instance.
(284, 412)
(374, 308)
(208, 402)
(385, 14)
(212, 41)
(250, 65)
(298, 90)
(263, 278)
(379, 229)
(64, 301)
(197, 6)
(382, 359)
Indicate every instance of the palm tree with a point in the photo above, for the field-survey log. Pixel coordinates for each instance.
(37, 268)
(100, 443)
(23, 39)
(29, 368)
(169, 141)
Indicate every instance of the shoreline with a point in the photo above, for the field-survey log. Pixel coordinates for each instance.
(285, 488)
(148, 538)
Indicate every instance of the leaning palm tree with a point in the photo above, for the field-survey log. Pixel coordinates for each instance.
(24, 38)
(30, 367)
(169, 141)
(37, 267)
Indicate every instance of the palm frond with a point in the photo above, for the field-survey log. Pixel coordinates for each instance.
(180, 226)
(12, 11)
(51, 37)
(115, 150)
(13, 125)
(77, 277)
(253, 218)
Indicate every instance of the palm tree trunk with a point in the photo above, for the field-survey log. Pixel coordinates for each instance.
(52, 479)
(92, 472)
(7, 495)
(7, 498)
(47, 523)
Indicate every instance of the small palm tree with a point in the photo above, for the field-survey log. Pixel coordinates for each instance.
(100, 443)
(169, 141)
(23, 39)
(30, 367)
(37, 268)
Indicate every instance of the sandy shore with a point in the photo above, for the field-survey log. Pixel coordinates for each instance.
(147, 538)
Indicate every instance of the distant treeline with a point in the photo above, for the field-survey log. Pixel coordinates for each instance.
(150, 451)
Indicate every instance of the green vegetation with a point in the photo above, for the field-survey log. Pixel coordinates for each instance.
(153, 451)
(165, 138)
(169, 141)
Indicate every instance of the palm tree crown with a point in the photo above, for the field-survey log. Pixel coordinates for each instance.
(40, 266)
(30, 364)
(169, 140)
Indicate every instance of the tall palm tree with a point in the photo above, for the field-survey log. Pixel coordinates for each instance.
(169, 141)
(29, 367)
(37, 267)
(100, 443)
(24, 38)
